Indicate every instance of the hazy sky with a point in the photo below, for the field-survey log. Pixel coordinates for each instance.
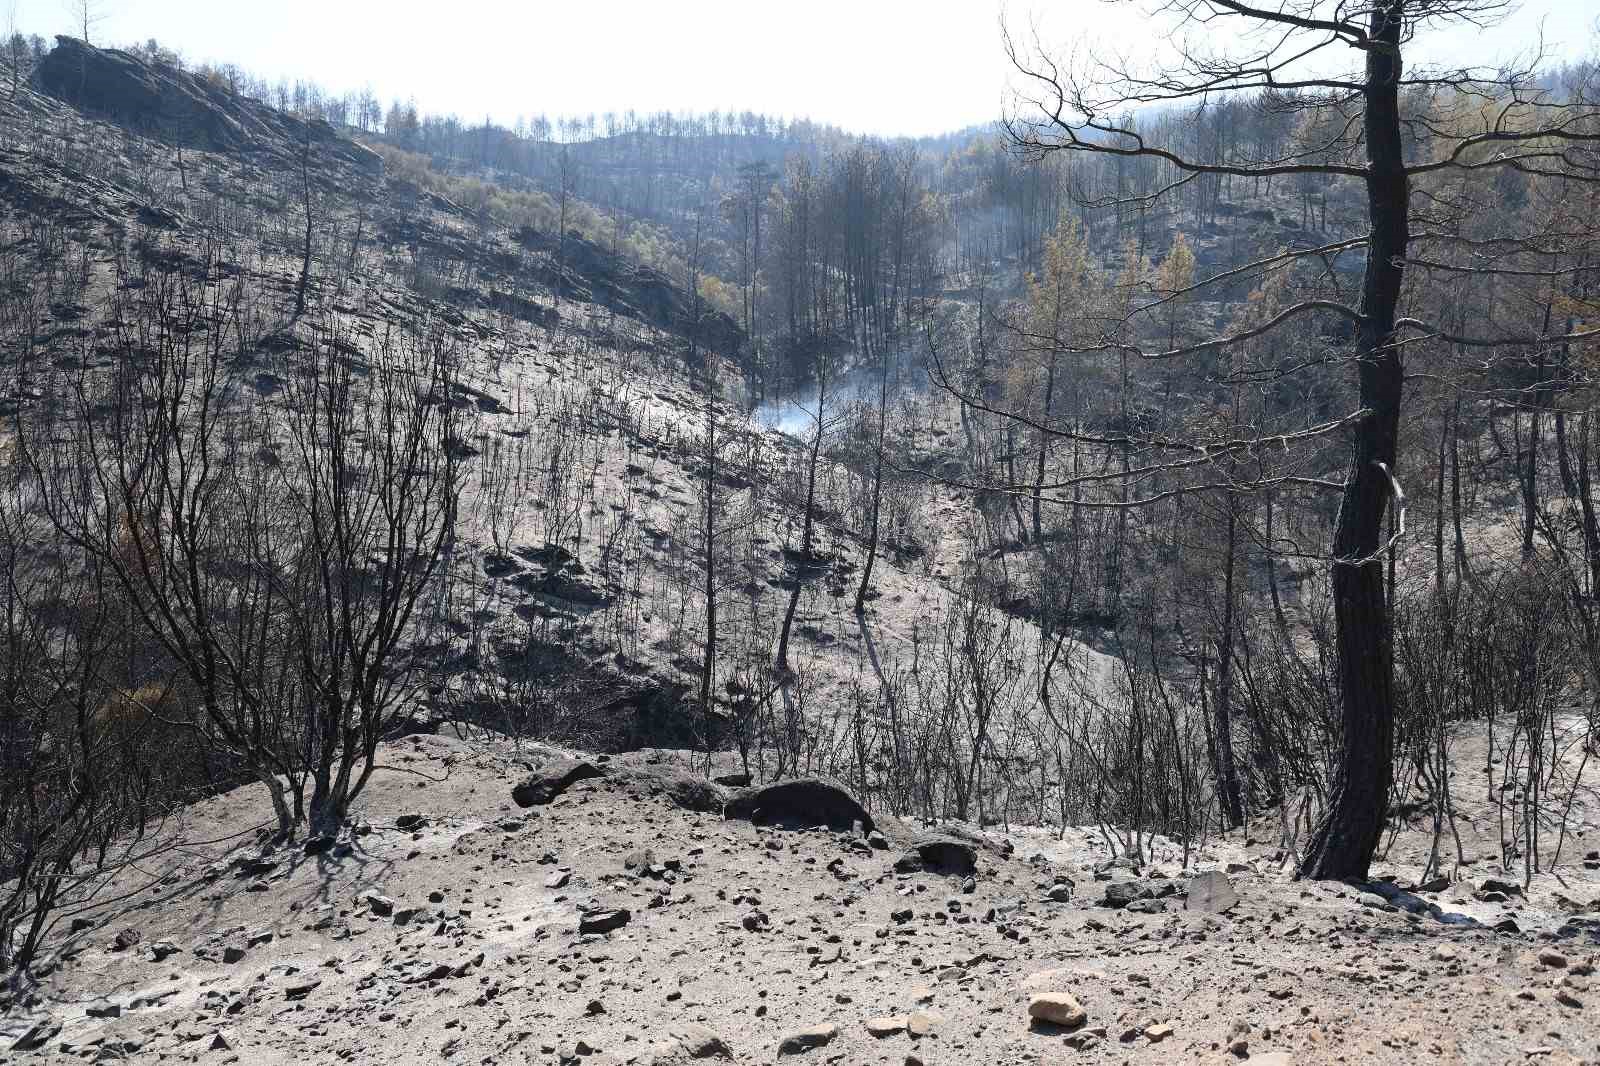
(878, 66)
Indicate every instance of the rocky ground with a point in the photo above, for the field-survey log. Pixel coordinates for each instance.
(621, 918)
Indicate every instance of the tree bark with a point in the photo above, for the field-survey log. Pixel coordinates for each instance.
(1349, 833)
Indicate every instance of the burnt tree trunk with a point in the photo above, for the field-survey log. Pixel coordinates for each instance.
(1347, 837)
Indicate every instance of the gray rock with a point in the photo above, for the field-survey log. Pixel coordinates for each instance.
(804, 801)
(1211, 893)
(1504, 888)
(699, 1042)
(605, 920)
(804, 1040)
(301, 989)
(685, 790)
(550, 781)
(1122, 893)
(1057, 1008)
(939, 855)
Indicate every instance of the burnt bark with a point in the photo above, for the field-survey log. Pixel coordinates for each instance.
(1348, 835)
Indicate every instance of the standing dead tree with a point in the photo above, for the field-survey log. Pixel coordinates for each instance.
(1280, 58)
(275, 555)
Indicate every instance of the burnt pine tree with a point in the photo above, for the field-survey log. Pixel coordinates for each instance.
(1283, 50)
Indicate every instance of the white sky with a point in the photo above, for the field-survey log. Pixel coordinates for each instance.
(875, 66)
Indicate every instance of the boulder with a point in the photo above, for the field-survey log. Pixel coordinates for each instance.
(550, 781)
(1057, 1008)
(1122, 893)
(803, 801)
(805, 1039)
(939, 855)
(1211, 893)
(604, 921)
(684, 789)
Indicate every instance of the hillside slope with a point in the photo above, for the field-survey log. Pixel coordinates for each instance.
(449, 927)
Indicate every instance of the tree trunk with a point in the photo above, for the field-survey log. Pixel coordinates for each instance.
(804, 564)
(877, 490)
(1348, 835)
(709, 661)
(1227, 768)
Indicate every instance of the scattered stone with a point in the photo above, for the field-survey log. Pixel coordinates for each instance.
(258, 867)
(922, 1022)
(806, 1039)
(887, 1025)
(319, 845)
(1060, 892)
(878, 841)
(379, 904)
(233, 953)
(558, 879)
(1057, 1008)
(1491, 886)
(410, 822)
(80, 924)
(301, 989)
(738, 780)
(545, 785)
(803, 801)
(126, 939)
(103, 1008)
(604, 921)
(1148, 906)
(699, 1042)
(1552, 958)
(1122, 893)
(1211, 893)
(1157, 1033)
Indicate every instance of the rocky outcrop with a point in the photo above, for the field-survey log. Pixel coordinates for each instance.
(184, 109)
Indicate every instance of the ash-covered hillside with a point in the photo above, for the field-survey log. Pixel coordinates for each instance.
(1120, 584)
